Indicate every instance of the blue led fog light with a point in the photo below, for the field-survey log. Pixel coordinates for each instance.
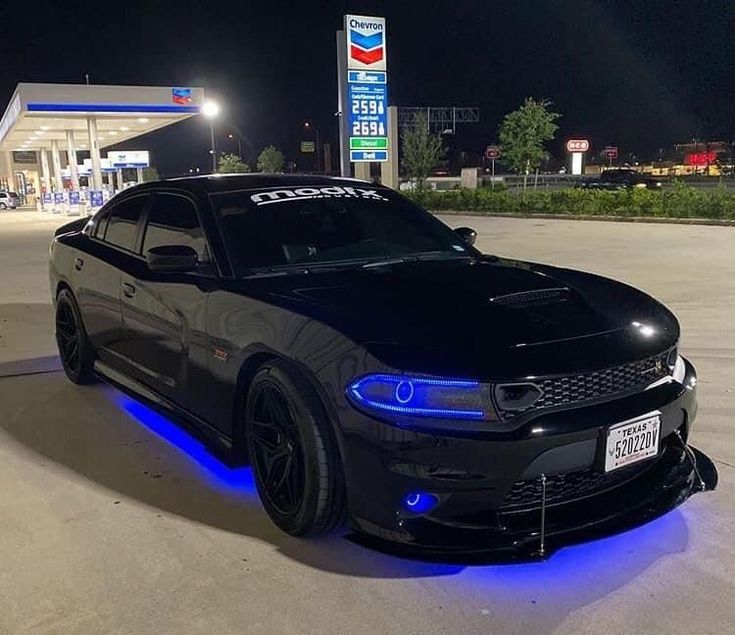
(420, 503)
(418, 396)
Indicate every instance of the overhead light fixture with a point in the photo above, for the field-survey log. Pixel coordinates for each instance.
(45, 127)
(38, 133)
(210, 109)
(143, 119)
(113, 133)
(124, 128)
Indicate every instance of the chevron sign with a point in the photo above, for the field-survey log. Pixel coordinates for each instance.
(365, 42)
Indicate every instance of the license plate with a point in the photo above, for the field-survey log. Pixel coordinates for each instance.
(632, 441)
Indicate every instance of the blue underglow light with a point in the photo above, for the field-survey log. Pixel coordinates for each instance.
(579, 575)
(419, 502)
(236, 480)
(418, 396)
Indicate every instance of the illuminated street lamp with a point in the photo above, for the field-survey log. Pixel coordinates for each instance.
(211, 110)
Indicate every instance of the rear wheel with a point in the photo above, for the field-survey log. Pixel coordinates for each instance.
(292, 451)
(75, 351)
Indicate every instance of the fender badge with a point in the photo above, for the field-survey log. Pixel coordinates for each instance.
(220, 355)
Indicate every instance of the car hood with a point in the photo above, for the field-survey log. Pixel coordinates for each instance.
(489, 318)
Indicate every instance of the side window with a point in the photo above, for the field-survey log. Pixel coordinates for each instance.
(101, 225)
(172, 220)
(123, 222)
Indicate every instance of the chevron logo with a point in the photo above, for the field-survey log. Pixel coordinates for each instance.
(366, 42)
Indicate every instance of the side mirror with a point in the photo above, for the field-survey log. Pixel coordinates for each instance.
(171, 258)
(467, 234)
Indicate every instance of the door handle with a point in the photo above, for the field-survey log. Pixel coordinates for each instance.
(128, 289)
(78, 264)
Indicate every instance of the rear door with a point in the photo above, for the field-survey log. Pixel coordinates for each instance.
(97, 275)
(164, 314)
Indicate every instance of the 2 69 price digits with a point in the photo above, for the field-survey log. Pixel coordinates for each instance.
(368, 129)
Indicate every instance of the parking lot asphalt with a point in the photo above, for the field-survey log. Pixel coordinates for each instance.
(112, 520)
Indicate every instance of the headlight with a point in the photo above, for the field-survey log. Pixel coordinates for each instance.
(419, 396)
(679, 369)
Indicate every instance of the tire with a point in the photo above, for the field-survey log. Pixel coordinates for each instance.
(293, 453)
(3, 206)
(75, 350)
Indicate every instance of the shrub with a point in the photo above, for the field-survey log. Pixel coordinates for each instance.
(679, 202)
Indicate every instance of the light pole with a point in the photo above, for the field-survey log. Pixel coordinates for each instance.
(237, 139)
(211, 109)
(317, 142)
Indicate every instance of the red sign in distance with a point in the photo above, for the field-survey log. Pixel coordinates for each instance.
(492, 152)
(578, 145)
(611, 152)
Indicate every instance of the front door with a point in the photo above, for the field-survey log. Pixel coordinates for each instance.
(97, 274)
(164, 314)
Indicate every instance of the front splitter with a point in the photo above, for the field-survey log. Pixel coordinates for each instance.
(617, 512)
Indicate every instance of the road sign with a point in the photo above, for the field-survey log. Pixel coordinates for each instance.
(492, 152)
(308, 147)
(365, 42)
(611, 152)
(74, 197)
(578, 145)
(367, 121)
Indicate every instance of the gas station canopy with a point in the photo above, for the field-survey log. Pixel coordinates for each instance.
(80, 117)
(38, 113)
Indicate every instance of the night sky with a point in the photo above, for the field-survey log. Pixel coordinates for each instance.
(642, 74)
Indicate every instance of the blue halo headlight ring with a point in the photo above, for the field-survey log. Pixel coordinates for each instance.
(404, 392)
(418, 396)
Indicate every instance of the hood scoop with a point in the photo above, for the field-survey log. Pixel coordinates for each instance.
(539, 297)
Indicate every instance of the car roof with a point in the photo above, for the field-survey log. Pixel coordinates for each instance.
(228, 182)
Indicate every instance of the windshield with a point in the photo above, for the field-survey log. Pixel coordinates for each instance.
(306, 226)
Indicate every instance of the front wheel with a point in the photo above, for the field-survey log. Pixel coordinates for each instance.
(293, 453)
(3, 206)
(75, 351)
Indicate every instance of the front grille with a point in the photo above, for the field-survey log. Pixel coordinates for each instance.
(571, 486)
(576, 389)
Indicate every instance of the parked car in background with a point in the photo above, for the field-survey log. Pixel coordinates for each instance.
(9, 200)
(619, 179)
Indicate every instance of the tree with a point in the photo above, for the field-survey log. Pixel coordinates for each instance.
(231, 164)
(523, 134)
(421, 151)
(271, 160)
(150, 174)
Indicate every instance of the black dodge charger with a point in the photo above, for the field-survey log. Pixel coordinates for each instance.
(376, 369)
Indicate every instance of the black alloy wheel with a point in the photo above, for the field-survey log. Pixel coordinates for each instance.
(277, 453)
(292, 452)
(76, 354)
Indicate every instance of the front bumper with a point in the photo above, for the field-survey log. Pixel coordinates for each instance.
(488, 485)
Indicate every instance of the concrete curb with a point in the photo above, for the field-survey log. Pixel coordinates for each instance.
(722, 222)
(35, 366)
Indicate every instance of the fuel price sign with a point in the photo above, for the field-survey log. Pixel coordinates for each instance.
(367, 100)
